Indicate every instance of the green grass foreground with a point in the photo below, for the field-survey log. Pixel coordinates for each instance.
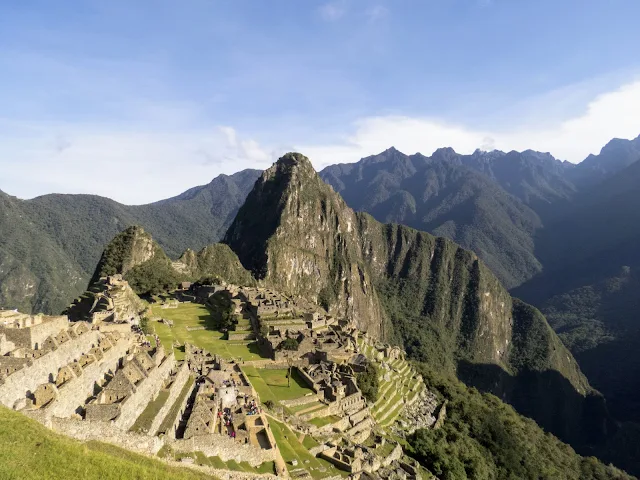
(29, 451)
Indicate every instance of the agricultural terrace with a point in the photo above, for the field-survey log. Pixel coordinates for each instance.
(187, 316)
(292, 448)
(401, 386)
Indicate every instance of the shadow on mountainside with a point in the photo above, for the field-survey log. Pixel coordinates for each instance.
(549, 399)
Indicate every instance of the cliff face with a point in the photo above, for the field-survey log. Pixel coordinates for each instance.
(443, 284)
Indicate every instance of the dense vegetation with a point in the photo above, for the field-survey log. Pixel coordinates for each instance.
(368, 382)
(483, 438)
(50, 245)
(289, 344)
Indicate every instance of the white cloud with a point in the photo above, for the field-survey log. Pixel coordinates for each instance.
(130, 167)
(333, 11)
(136, 164)
(610, 115)
(376, 12)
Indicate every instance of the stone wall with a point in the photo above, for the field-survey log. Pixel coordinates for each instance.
(396, 454)
(74, 392)
(174, 392)
(45, 368)
(358, 417)
(301, 401)
(35, 335)
(108, 432)
(215, 445)
(171, 433)
(5, 345)
(305, 376)
(146, 391)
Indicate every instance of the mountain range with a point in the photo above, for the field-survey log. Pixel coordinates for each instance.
(51, 244)
(294, 233)
(560, 236)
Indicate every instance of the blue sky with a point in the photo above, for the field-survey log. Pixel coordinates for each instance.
(140, 100)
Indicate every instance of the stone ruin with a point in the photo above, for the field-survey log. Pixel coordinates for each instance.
(111, 302)
(92, 381)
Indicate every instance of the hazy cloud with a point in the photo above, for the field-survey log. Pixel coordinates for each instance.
(607, 116)
(149, 162)
(333, 11)
(376, 12)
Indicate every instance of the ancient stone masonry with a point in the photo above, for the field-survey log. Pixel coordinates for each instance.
(225, 418)
(24, 369)
(75, 384)
(125, 397)
(110, 301)
(29, 331)
(178, 384)
(104, 381)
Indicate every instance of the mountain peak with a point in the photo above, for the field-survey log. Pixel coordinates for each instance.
(294, 160)
(445, 153)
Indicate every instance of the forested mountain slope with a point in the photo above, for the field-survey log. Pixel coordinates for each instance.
(51, 244)
(457, 197)
(591, 287)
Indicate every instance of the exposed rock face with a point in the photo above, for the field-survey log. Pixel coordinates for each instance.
(297, 235)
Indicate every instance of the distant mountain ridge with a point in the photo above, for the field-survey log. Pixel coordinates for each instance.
(53, 243)
(455, 196)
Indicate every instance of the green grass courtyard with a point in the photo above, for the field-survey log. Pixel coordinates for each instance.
(272, 385)
(190, 315)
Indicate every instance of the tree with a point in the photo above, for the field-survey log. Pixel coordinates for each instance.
(289, 345)
(368, 382)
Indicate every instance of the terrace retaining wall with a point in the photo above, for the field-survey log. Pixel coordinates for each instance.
(44, 369)
(73, 393)
(148, 390)
(215, 445)
(174, 392)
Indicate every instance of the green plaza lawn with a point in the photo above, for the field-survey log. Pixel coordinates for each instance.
(196, 315)
(273, 384)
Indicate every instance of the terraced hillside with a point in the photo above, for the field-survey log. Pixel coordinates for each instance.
(400, 386)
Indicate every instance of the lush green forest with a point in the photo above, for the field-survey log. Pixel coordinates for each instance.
(484, 438)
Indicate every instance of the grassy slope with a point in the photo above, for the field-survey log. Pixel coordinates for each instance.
(30, 451)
